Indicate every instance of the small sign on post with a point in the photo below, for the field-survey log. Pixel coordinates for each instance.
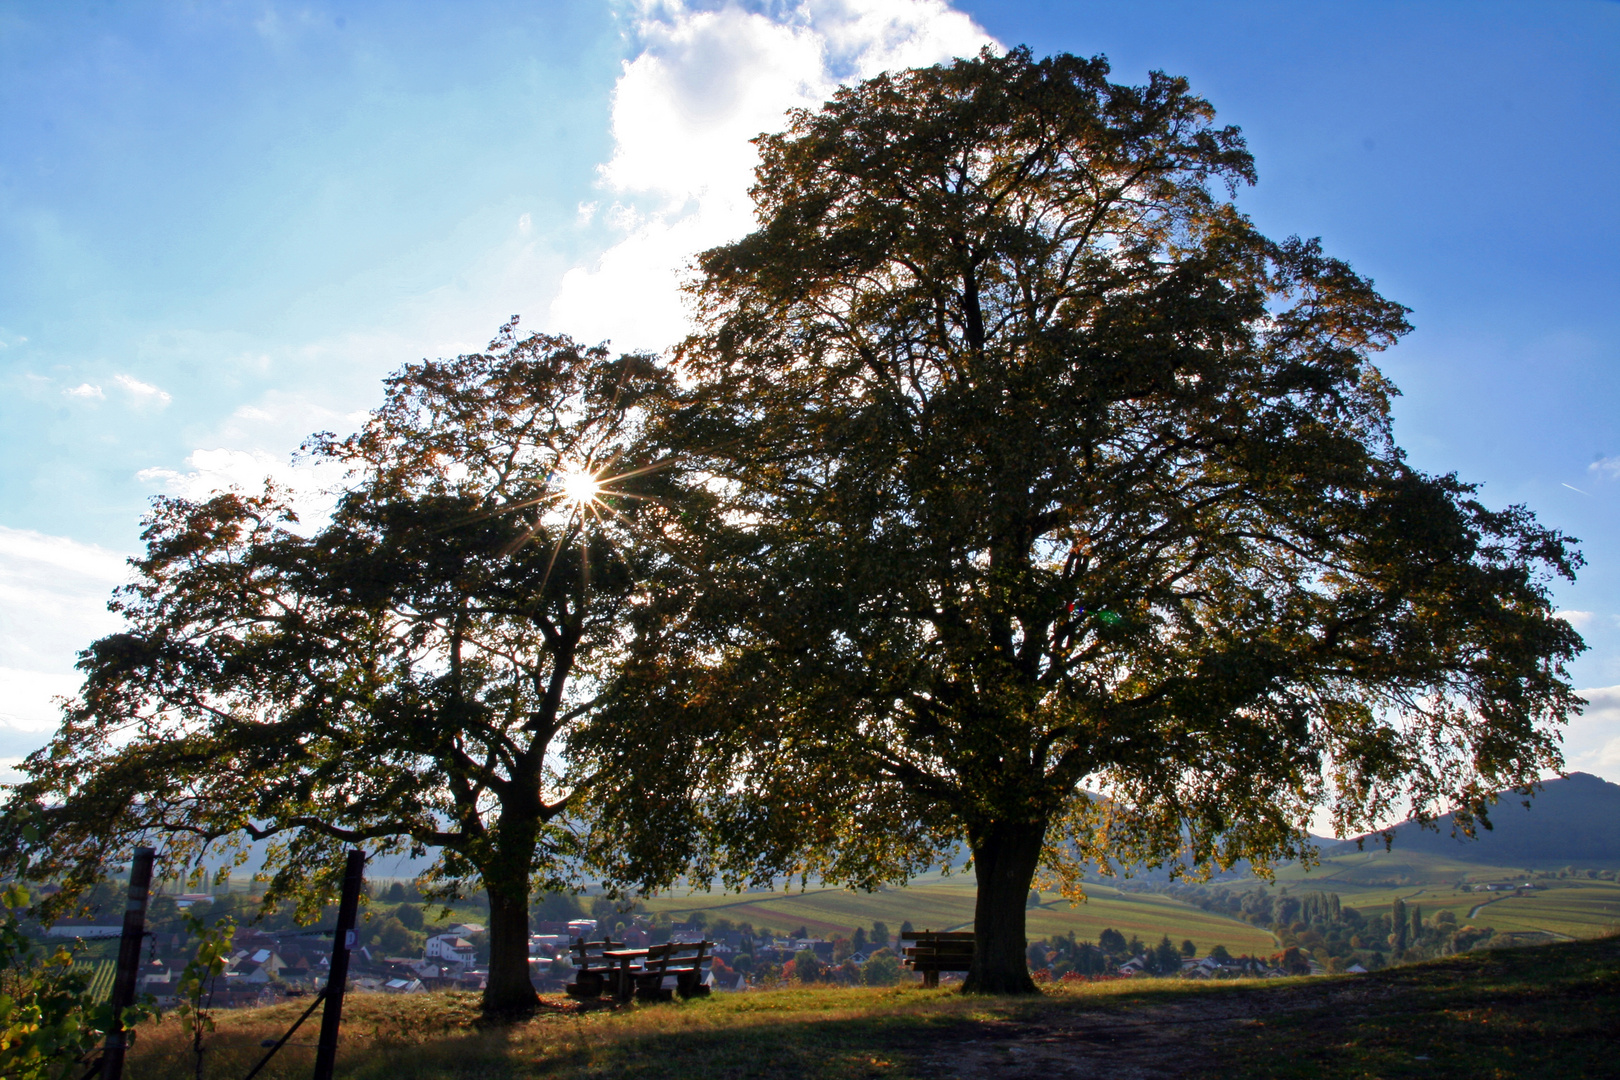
(129, 962)
(342, 942)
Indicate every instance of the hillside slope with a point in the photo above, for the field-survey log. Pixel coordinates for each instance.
(1571, 821)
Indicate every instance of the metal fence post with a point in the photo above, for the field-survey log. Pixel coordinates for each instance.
(129, 962)
(342, 942)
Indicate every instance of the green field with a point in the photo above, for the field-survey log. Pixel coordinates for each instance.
(1371, 881)
(947, 904)
(1589, 909)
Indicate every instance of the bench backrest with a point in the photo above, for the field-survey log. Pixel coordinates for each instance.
(586, 951)
(939, 950)
(677, 954)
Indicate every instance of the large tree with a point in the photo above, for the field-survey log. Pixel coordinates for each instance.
(401, 677)
(1065, 517)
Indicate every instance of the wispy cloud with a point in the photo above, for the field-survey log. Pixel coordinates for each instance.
(142, 392)
(1607, 468)
(86, 390)
(309, 484)
(53, 602)
(684, 111)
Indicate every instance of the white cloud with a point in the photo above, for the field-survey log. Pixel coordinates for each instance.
(142, 392)
(705, 83)
(86, 390)
(1578, 619)
(53, 602)
(213, 471)
(1592, 740)
(1606, 468)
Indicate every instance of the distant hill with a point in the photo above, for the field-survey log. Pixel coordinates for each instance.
(1572, 821)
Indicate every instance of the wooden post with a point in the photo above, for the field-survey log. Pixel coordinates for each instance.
(338, 978)
(129, 962)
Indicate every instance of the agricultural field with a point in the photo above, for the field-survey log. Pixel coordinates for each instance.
(1371, 882)
(101, 977)
(947, 904)
(1575, 910)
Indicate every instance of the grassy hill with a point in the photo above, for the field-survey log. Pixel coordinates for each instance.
(1547, 1012)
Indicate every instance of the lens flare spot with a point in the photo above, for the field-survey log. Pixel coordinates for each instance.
(579, 486)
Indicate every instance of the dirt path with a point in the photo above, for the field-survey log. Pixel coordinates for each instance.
(1143, 1042)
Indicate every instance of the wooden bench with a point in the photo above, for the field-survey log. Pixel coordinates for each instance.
(935, 951)
(682, 959)
(593, 969)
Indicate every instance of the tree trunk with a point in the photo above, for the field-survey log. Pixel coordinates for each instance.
(509, 991)
(1004, 859)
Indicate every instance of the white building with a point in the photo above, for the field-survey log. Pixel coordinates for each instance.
(451, 948)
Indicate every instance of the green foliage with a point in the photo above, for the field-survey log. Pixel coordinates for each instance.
(882, 968)
(195, 987)
(557, 907)
(1164, 959)
(50, 1018)
(808, 967)
(392, 937)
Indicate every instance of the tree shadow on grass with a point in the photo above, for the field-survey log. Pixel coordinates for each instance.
(1546, 1011)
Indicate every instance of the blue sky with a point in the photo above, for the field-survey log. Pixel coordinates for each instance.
(221, 224)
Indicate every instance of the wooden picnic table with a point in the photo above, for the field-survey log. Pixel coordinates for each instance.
(639, 973)
(623, 971)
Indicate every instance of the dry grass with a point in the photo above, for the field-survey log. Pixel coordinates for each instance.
(1546, 1012)
(810, 1032)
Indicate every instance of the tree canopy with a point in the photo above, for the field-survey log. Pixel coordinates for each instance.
(402, 676)
(1065, 516)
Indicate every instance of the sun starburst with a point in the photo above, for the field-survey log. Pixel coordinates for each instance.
(579, 486)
